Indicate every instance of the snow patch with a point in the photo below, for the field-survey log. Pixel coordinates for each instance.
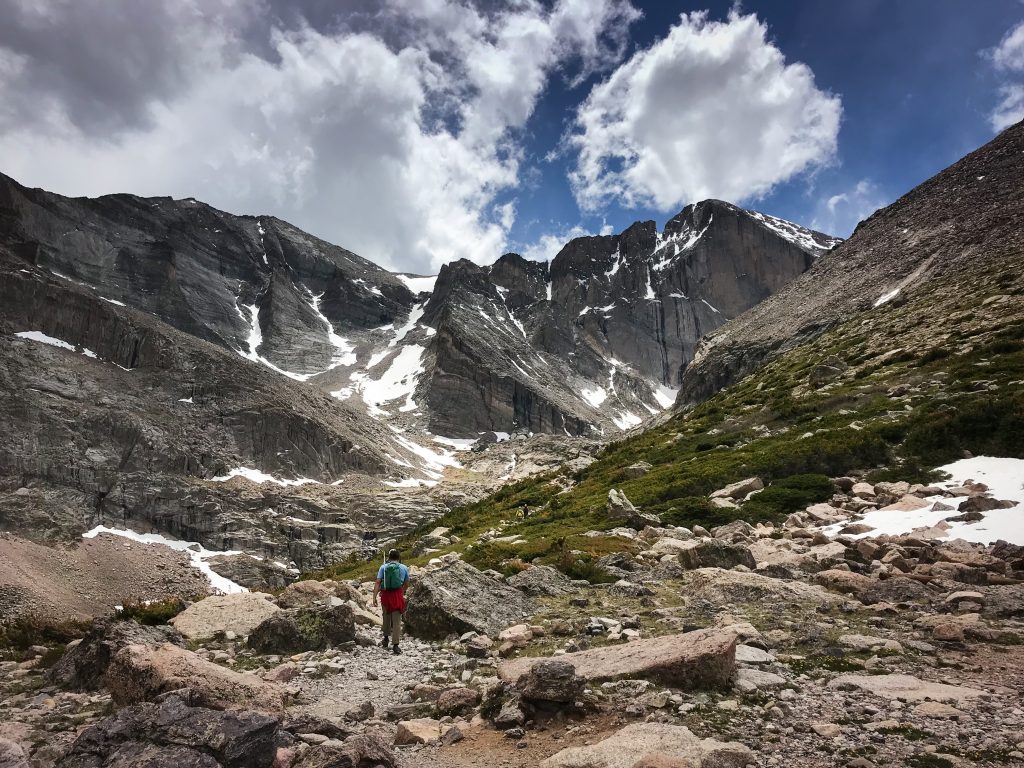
(417, 283)
(60, 343)
(626, 420)
(665, 396)
(595, 396)
(1005, 480)
(256, 476)
(113, 301)
(887, 297)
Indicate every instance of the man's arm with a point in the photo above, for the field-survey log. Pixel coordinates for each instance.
(376, 590)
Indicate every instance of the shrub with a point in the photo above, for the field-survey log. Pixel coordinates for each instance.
(27, 631)
(787, 495)
(152, 612)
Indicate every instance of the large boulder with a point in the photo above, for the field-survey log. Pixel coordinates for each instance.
(458, 598)
(845, 581)
(357, 751)
(702, 659)
(305, 593)
(898, 589)
(738, 490)
(552, 680)
(173, 733)
(240, 613)
(304, 629)
(140, 673)
(636, 742)
(84, 664)
(713, 553)
(541, 581)
(621, 508)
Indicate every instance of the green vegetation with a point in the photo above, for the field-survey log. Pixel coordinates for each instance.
(153, 612)
(916, 394)
(22, 633)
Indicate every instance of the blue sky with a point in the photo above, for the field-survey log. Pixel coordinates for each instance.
(916, 89)
(415, 133)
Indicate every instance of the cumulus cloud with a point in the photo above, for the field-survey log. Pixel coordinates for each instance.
(711, 110)
(839, 214)
(547, 246)
(390, 130)
(1008, 60)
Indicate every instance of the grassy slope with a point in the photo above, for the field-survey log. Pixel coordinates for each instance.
(928, 377)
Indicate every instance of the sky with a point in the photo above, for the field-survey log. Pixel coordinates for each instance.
(417, 132)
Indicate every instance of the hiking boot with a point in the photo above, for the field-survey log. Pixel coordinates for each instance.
(396, 650)
(384, 642)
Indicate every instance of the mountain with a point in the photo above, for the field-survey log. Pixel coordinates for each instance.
(235, 381)
(897, 352)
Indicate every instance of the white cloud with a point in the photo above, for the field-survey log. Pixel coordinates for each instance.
(1008, 59)
(839, 214)
(393, 140)
(547, 246)
(712, 110)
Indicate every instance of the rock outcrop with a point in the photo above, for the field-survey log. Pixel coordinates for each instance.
(648, 744)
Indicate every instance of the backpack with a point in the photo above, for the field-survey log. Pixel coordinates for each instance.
(392, 576)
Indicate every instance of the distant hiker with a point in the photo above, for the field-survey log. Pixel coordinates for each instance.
(392, 579)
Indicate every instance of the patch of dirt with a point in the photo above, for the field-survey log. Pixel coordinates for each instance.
(89, 578)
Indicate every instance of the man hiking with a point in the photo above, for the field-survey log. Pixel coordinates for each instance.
(392, 579)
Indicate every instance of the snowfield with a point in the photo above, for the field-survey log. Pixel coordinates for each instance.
(1005, 480)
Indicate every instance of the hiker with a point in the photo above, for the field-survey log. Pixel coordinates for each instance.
(392, 579)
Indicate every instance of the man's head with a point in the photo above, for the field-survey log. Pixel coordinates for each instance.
(394, 555)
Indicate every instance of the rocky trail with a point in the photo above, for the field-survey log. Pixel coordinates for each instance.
(790, 645)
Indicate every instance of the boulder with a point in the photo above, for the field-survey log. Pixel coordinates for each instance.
(739, 489)
(956, 599)
(458, 598)
(457, 701)
(240, 613)
(904, 688)
(620, 508)
(357, 751)
(141, 673)
(869, 643)
(702, 659)
(847, 582)
(984, 504)
(304, 629)
(751, 680)
(303, 593)
(542, 581)
(12, 755)
(863, 490)
(84, 664)
(633, 471)
(174, 733)
(712, 553)
(639, 741)
(551, 680)
(421, 730)
(898, 589)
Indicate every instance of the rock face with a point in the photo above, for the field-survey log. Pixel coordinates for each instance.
(701, 659)
(240, 613)
(898, 253)
(621, 314)
(83, 666)
(140, 673)
(173, 734)
(458, 598)
(650, 741)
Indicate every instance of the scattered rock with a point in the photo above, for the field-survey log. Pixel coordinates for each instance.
(304, 629)
(422, 730)
(551, 680)
(457, 701)
(625, 748)
(541, 581)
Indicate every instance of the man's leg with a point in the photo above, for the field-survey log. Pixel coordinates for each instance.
(386, 614)
(396, 628)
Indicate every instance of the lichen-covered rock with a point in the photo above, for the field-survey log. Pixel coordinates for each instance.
(551, 680)
(304, 629)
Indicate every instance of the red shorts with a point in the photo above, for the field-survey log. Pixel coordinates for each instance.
(392, 600)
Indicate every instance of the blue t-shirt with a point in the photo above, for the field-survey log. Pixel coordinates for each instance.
(402, 569)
